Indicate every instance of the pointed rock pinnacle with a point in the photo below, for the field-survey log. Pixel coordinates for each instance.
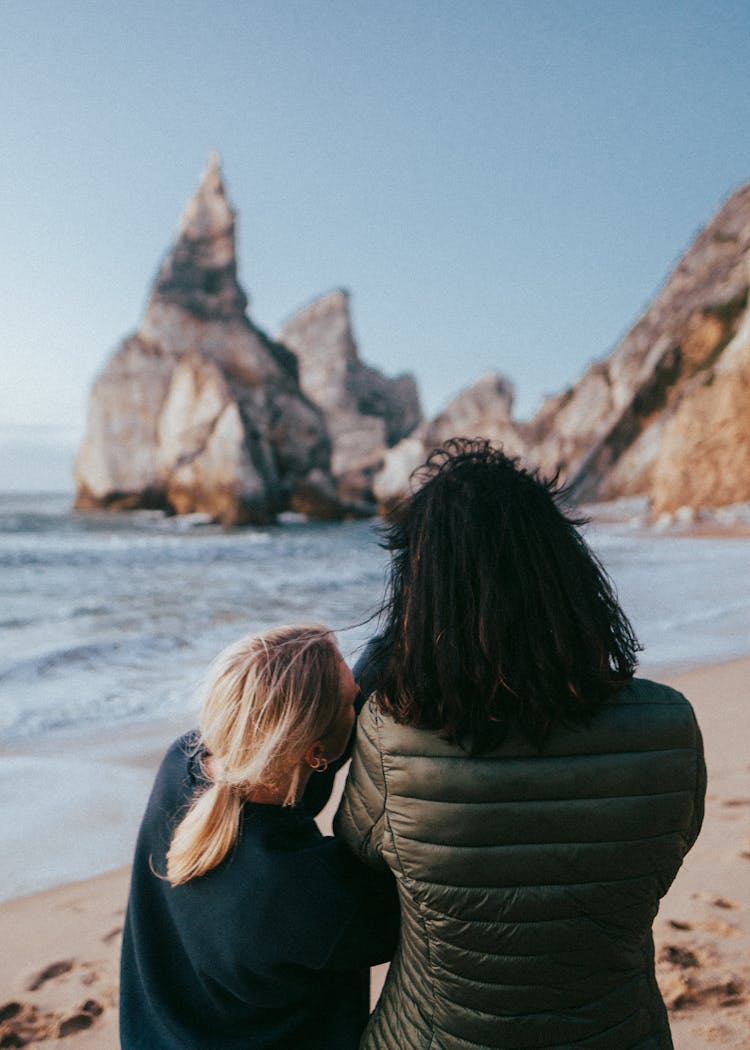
(200, 272)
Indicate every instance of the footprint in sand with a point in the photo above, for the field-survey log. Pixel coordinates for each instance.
(687, 980)
(23, 1023)
(8, 1010)
(109, 937)
(722, 902)
(717, 901)
(725, 993)
(87, 973)
(19, 1024)
(81, 1019)
(55, 969)
(684, 958)
(686, 984)
(724, 929)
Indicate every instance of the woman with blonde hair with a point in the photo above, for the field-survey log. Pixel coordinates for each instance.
(246, 927)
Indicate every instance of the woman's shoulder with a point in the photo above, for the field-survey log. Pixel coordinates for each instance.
(182, 751)
(291, 841)
(654, 703)
(649, 712)
(282, 857)
(380, 733)
(646, 691)
(180, 766)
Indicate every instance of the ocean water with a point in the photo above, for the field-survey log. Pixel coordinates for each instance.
(108, 623)
(107, 619)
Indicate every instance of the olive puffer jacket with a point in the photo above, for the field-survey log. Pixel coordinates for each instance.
(528, 881)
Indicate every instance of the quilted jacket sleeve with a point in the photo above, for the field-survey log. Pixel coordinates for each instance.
(700, 789)
(360, 820)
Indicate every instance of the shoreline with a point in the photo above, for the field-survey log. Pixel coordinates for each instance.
(58, 970)
(81, 795)
(100, 779)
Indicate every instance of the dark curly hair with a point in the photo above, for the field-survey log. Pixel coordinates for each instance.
(497, 614)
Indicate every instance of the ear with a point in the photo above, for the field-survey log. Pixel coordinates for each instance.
(314, 755)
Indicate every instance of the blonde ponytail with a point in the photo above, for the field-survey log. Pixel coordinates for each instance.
(205, 835)
(270, 697)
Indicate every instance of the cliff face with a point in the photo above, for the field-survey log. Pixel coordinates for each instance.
(666, 415)
(199, 410)
(704, 457)
(365, 411)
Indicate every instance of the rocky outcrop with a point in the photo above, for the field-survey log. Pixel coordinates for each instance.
(483, 410)
(199, 411)
(704, 454)
(665, 415)
(366, 413)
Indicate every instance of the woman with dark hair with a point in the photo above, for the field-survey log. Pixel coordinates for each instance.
(533, 799)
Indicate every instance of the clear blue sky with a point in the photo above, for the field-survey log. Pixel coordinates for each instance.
(501, 185)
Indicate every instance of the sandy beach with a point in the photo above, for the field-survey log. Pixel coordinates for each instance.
(60, 947)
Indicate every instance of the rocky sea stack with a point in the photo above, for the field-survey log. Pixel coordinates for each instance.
(200, 411)
(365, 412)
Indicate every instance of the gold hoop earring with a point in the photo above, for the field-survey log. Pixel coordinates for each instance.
(319, 764)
